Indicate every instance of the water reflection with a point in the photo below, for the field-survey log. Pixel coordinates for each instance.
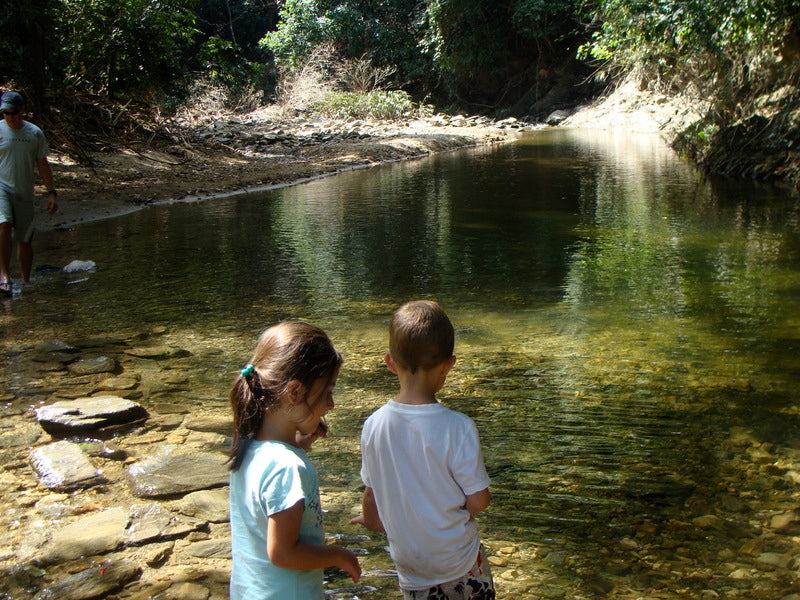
(618, 314)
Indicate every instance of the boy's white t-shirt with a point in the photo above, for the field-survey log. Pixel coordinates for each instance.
(421, 461)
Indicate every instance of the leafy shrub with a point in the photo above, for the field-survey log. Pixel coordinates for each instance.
(123, 47)
(377, 104)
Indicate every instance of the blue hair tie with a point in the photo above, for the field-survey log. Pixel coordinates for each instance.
(248, 371)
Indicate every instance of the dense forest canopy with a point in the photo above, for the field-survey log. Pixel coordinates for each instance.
(501, 57)
(491, 53)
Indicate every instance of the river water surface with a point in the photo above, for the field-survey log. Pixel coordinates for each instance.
(628, 341)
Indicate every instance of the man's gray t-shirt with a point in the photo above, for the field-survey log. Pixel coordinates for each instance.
(20, 149)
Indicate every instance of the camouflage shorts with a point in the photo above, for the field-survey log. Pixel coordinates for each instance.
(477, 584)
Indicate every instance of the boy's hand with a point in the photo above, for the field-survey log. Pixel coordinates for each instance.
(376, 526)
(369, 516)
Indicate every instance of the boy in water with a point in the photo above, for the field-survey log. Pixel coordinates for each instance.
(423, 468)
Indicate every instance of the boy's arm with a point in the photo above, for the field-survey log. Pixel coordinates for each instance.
(285, 549)
(369, 516)
(478, 501)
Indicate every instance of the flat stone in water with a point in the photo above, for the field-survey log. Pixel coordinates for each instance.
(115, 384)
(55, 346)
(95, 582)
(96, 534)
(61, 358)
(177, 474)
(71, 417)
(210, 423)
(101, 364)
(786, 523)
(99, 342)
(62, 466)
(157, 352)
(154, 522)
(211, 549)
(210, 505)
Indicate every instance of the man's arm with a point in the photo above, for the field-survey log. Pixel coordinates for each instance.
(47, 177)
(369, 517)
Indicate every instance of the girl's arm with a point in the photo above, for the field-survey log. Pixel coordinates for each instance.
(478, 501)
(285, 549)
(369, 517)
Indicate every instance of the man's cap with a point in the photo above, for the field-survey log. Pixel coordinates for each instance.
(11, 101)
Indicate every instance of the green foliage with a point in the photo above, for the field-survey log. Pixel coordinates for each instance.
(304, 25)
(229, 52)
(123, 46)
(377, 104)
(690, 37)
(386, 32)
(543, 19)
(464, 36)
(484, 47)
(222, 62)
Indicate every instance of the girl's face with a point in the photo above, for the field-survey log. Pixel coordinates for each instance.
(319, 400)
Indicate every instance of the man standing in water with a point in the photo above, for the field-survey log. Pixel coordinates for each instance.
(22, 147)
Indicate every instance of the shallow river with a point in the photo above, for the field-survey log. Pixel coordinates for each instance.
(628, 333)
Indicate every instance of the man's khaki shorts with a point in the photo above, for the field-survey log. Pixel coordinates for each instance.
(18, 212)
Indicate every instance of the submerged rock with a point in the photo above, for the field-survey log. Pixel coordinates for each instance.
(55, 346)
(786, 523)
(101, 364)
(72, 417)
(62, 466)
(116, 384)
(217, 423)
(177, 474)
(158, 352)
(94, 582)
(21, 437)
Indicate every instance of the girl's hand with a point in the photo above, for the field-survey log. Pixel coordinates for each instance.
(305, 440)
(285, 549)
(349, 564)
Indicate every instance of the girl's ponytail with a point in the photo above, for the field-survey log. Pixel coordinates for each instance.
(249, 401)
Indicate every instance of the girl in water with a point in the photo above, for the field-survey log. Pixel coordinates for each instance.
(278, 403)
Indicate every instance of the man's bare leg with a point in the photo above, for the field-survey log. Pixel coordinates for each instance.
(5, 252)
(25, 251)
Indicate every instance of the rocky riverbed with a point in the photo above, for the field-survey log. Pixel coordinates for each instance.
(114, 486)
(134, 506)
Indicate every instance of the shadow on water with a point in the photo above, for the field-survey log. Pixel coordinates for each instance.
(627, 337)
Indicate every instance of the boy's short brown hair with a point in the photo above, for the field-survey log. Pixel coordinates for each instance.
(420, 335)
